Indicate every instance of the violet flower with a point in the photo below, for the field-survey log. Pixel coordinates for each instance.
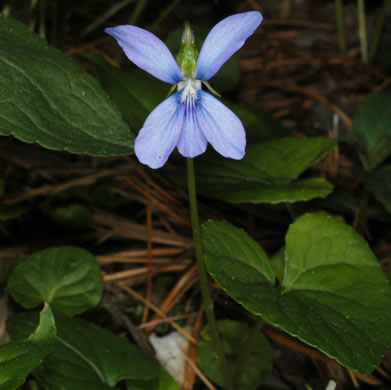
(191, 117)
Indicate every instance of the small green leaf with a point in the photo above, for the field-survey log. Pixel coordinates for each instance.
(135, 92)
(379, 182)
(69, 278)
(48, 99)
(72, 216)
(11, 211)
(334, 294)
(233, 335)
(372, 129)
(91, 358)
(19, 358)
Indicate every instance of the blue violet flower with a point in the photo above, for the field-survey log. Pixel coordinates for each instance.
(191, 117)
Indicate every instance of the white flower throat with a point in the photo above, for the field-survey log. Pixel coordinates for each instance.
(189, 90)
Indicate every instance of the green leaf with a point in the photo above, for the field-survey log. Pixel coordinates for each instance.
(68, 278)
(11, 211)
(233, 335)
(372, 129)
(48, 99)
(379, 182)
(259, 125)
(135, 92)
(72, 216)
(91, 358)
(19, 358)
(227, 78)
(334, 294)
(163, 382)
(266, 173)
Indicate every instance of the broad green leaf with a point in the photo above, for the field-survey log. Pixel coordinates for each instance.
(68, 278)
(234, 335)
(266, 173)
(85, 356)
(379, 183)
(372, 129)
(227, 77)
(19, 358)
(164, 381)
(135, 92)
(247, 192)
(334, 294)
(48, 99)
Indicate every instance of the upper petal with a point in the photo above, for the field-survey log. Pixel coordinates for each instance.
(148, 52)
(160, 133)
(192, 141)
(221, 127)
(223, 40)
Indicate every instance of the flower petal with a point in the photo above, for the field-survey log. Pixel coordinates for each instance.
(223, 40)
(221, 127)
(160, 133)
(192, 141)
(148, 52)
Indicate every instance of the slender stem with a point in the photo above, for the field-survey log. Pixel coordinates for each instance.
(246, 350)
(340, 25)
(362, 30)
(6, 11)
(42, 19)
(164, 14)
(203, 277)
(105, 16)
(138, 10)
(379, 29)
(291, 210)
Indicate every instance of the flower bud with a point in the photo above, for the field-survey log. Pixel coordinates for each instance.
(188, 53)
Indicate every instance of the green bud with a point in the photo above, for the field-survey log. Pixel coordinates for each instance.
(188, 53)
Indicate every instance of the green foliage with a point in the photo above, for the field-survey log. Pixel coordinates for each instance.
(68, 278)
(234, 334)
(267, 172)
(19, 358)
(73, 216)
(85, 356)
(48, 99)
(334, 295)
(372, 129)
(135, 92)
(379, 183)
(164, 381)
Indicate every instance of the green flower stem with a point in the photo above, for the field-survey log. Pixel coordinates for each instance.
(379, 29)
(246, 350)
(138, 10)
(340, 25)
(203, 276)
(362, 30)
(164, 14)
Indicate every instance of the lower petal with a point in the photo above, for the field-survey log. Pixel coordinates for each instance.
(160, 133)
(221, 127)
(192, 141)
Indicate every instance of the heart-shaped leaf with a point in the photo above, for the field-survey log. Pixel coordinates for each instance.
(233, 335)
(19, 358)
(334, 294)
(68, 278)
(48, 99)
(85, 356)
(163, 382)
(372, 129)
